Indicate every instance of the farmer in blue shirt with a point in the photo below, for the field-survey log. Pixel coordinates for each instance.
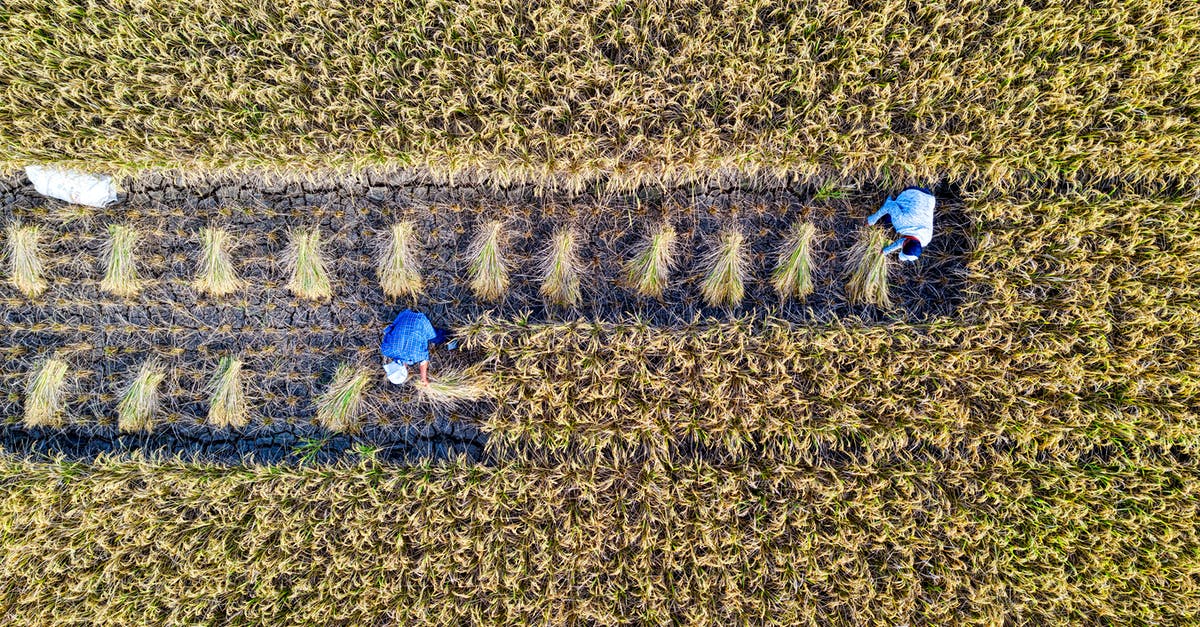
(911, 214)
(406, 342)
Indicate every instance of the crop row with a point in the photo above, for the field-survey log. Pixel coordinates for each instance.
(747, 387)
(399, 264)
(341, 407)
(981, 539)
(630, 93)
(1111, 262)
(737, 386)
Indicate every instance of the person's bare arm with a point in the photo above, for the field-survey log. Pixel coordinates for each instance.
(425, 372)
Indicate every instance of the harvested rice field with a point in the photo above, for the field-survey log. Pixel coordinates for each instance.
(1043, 415)
(688, 388)
(290, 345)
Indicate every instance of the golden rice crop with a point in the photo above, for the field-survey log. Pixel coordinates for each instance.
(120, 267)
(227, 396)
(561, 268)
(139, 402)
(774, 387)
(650, 268)
(653, 93)
(215, 274)
(24, 259)
(792, 277)
(305, 263)
(728, 267)
(488, 267)
(399, 265)
(450, 389)
(867, 283)
(340, 406)
(951, 541)
(44, 394)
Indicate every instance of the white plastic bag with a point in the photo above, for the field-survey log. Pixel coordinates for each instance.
(75, 187)
(396, 373)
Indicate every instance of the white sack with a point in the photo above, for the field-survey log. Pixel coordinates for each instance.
(72, 186)
(396, 373)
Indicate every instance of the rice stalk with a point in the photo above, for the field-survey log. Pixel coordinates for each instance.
(24, 260)
(215, 274)
(561, 269)
(450, 389)
(305, 263)
(399, 265)
(226, 396)
(120, 266)
(868, 282)
(650, 268)
(44, 394)
(792, 277)
(738, 532)
(488, 268)
(728, 268)
(749, 99)
(340, 406)
(138, 404)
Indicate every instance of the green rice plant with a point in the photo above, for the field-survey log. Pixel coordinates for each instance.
(340, 406)
(24, 260)
(399, 265)
(139, 403)
(120, 261)
(450, 389)
(305, 263)
(487, 266)
(792, 277)
(226, 396)
(868, 281)
(650, 268)
(215, 274)
(561, 269)
(44, 394)
(728, 267)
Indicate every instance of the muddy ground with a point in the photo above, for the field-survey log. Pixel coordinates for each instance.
(292, 346)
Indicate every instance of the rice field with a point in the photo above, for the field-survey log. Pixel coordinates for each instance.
(982, 538)
(619, 92)
(779, 453)
(687, 387)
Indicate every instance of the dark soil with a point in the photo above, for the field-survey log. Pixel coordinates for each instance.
(292, 346)
(277, 443)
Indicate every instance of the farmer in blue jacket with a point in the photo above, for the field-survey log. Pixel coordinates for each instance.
(406, 342)
(911, 214)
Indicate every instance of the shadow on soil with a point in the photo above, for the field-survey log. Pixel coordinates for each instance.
(440, 439)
